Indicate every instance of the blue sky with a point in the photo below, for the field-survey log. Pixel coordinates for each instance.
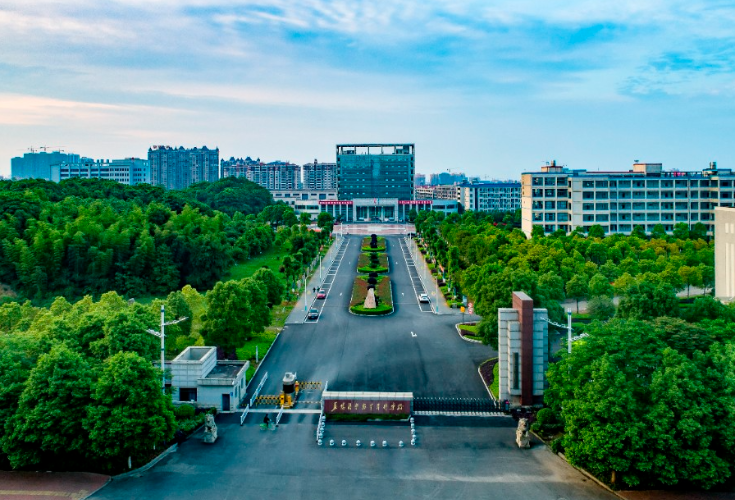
(491, 88)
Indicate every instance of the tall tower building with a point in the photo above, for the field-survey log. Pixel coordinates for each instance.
(178, 168)
(37, 165)
(375, 171)
(319, 176)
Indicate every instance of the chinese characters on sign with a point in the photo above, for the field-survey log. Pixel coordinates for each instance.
(335, 202)
(357, 406)
(414, 202)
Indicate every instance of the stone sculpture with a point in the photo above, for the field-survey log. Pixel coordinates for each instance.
(210, 429)
(370, 299)
(522, 438)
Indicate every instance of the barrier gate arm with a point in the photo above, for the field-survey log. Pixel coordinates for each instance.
(257, 391)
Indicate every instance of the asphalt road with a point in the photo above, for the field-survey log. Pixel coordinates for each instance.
(409, 350)
(450, 461)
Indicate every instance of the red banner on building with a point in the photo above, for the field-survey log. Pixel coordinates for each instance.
(414, 202)
(335, 202)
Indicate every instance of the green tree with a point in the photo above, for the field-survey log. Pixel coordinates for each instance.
(646, 300)
(235, 310)
(537, 231)
(47, 427)
(577, 288)
(600, 286)
(305, 218)
(273, 285)
(601, 307)
(596, 231)
(129, 415)
(640, 413)
(690, 276)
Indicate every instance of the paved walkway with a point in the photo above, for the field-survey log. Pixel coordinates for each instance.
(49, 485)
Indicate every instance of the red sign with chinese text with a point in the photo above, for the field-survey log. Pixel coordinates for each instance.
(335, 202)
(367, 406)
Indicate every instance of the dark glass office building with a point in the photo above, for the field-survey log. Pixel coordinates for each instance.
(375, 171)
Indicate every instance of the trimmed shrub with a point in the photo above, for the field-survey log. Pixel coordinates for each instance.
(184, 411)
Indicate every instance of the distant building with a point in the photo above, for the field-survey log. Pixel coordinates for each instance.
(559, 198)
(725, 253)
(437, 192)
(446, 178)
(274, 176)
(490, 196)
(178, 168)
(319, 176)
(37, 165)
(305, 200)
(419, 180)
(129, 171)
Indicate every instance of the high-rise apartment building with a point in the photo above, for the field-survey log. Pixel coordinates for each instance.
(178, 168)
(37, 165)
(129, 171)
(490, 196)
(419, 180)
(561, 198)
(319, 176)
(274, 176)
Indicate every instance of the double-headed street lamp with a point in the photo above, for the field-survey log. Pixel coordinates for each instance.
(162, 335)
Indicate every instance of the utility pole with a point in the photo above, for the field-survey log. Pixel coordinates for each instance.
(569, 331)
(162, 336)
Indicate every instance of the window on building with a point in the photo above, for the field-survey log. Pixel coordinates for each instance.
(187, 394)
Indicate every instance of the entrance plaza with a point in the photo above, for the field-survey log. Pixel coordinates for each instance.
(412, 350)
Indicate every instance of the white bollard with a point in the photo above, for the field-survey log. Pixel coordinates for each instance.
(401, 444)
(372, 444)
(385, 444)
(320, 435)
(411, 420)
(344, 443)
(358, 443)
(413, 441)
(320, 442)
(331, 442)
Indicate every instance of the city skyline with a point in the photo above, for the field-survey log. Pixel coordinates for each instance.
(488, 89)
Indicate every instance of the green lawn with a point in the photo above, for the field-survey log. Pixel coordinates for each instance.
(495, 387)
(271, 258)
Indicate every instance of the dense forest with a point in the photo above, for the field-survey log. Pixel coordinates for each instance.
(80, 388)
(487, 260)
(647, 398)
(87, 236)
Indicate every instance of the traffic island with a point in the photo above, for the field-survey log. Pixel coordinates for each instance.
(381, 291)
(372, 262)
(373, 243)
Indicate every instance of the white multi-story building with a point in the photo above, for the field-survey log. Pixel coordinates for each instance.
(490, 196)
(129, 171)
(725, 254)
(561, 198)
(305, 200)
(444, 192)
(319, 175)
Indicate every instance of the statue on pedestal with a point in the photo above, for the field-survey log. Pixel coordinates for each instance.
(370, 299)
(210, 429)
(522, 438)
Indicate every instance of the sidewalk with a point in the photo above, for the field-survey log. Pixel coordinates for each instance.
(431, 284)
(33, 485)
(314, 281)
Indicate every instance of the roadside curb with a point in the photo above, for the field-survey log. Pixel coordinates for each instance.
(456, 327)
(492, 396)
(587, 474)
(140, 470)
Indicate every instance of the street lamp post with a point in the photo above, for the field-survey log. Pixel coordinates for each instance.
(569, 331)
(162, 335)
